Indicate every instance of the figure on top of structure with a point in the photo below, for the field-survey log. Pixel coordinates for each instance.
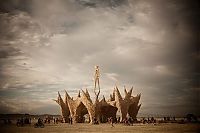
(96, 81)
(99, 110)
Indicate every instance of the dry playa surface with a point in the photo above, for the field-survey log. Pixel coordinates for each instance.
(104, 128)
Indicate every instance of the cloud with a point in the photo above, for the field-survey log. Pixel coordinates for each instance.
(135, 43)
(22, 106)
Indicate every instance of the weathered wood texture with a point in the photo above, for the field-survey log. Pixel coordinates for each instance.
(99, 109)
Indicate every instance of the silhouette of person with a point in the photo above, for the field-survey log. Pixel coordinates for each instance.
(39, 121)
(70, 120)
(54, 120)
(111, 121)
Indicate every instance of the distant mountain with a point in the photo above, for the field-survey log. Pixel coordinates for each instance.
(157, 115)
(16, 116)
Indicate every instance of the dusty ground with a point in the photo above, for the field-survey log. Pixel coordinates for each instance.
(104, 128)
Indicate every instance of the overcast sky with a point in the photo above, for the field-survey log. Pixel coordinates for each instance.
(51, 45)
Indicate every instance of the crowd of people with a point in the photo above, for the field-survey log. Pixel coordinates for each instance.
(23, 121)
(148, 120)
(7, 121)
(70, 120)
(151, 120)
(111, 120)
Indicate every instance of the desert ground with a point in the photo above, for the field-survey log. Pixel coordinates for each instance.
(104, 128)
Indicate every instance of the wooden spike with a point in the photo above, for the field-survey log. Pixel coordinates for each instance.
(113, 94)
(117, 94)
(67, 96)
(125, 91)
(59, 96)
(111, 97)
(139, 96)
(104, 98)
(86, 96)
(79, 93)
(130, 91)
(55, 100)
(87, 93)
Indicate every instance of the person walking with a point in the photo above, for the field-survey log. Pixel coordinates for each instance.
(111, 121)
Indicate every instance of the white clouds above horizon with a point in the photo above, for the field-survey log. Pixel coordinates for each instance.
(57, 47)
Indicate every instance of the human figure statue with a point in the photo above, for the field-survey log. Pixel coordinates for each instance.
(96, 77)
(96, 81)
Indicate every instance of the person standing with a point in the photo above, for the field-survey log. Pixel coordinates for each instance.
(54, 120)
(111, 121)
(70, 120)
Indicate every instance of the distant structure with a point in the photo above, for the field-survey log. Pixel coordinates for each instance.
(100, 110)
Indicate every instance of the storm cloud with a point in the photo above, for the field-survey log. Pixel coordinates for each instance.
(51, 45)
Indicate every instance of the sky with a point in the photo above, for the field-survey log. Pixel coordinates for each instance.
(53, 45)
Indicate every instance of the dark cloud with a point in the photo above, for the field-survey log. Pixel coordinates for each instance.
(11, 5)
(152, 45)
(102, 3)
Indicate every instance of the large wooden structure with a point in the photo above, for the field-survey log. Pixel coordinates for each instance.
(99, 109)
